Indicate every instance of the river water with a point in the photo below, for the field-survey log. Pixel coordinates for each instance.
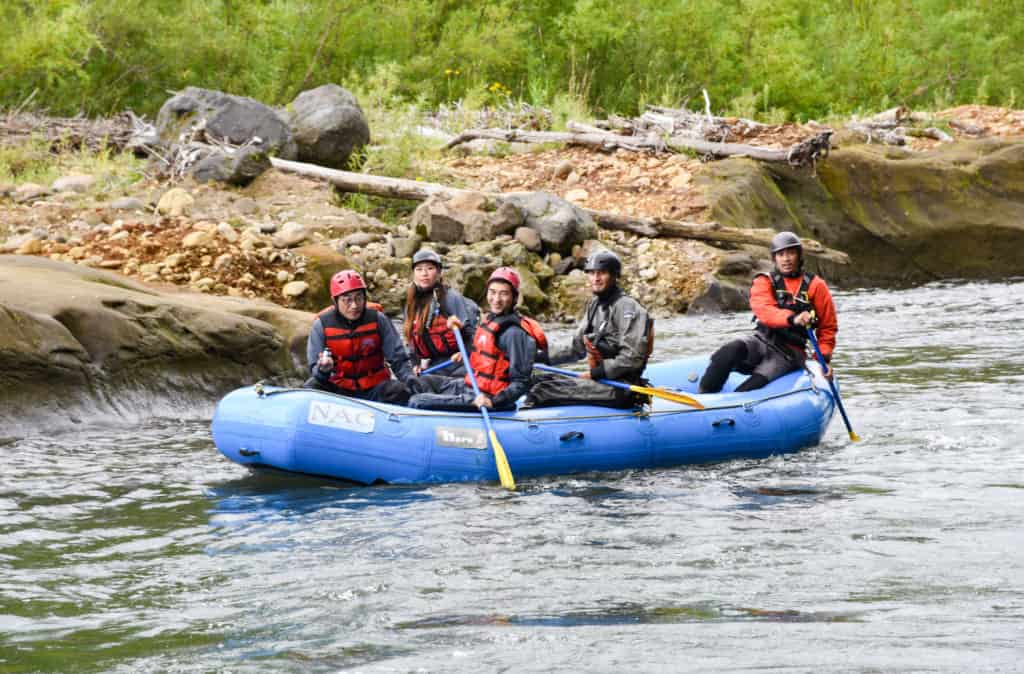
(137, 547)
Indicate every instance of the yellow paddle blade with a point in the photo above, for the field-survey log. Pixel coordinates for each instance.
(854, 437)
(504, 470)
(674, 396)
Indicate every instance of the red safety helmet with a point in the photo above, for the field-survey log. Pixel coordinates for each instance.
(506, 274)
(346, 281)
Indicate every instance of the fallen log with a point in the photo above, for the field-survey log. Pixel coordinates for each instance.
(415, 190)
(605, 141)
(705, 231)
(363, 183)
(805, 152)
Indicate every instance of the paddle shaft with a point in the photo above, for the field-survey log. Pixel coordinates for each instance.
(500, 460)
(606, 382)
(439, 366)
(832, 385)
(665, 394)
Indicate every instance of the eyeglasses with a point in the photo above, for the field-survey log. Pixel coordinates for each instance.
(358, 297)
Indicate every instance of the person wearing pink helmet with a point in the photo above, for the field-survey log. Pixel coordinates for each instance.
(351, 347)
(502, 355)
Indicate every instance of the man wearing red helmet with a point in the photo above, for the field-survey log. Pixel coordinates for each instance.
(502, 355)
(351, 347)
(615, 336)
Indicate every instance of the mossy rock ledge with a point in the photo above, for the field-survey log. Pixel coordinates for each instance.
(903, 217)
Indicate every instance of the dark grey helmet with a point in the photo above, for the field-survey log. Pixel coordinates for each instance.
(427, 255)
(784, 240)
(604, 260)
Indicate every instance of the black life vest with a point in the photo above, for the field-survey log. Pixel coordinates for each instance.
(798, 303)
(488, 361)
(357, 350)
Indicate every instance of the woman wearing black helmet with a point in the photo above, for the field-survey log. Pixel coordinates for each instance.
(428, 304)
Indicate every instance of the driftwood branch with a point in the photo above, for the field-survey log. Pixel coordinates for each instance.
(806, 152)
(705, 231)
(398, 188)
(601, 140)
(362, 183)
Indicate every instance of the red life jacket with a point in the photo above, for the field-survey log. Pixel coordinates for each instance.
(358, 356)
(436, 341)
(488, 361)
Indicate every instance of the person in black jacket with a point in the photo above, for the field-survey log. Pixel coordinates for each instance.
(615, 336)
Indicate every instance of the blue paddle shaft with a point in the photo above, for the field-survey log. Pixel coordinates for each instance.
(472, 377)
(439, 366)
(831, 384)
(558, 370)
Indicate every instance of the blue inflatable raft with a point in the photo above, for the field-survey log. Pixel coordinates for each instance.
(317, 433)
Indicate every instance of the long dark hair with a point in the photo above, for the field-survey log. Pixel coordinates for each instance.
(417, 307)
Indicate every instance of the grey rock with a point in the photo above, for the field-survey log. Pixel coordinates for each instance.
(405, 246)
(361, 238)
(238, 168)
(74, 183)
(735, 264)
(561, 225)
(291, 234)
(236, 119)
(246, 206)
(529, 238)
(328, 126)
(127, 204)
(720, 295)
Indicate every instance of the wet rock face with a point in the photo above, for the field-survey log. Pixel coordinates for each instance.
(953, 212)
(328, 126)
(73, 336)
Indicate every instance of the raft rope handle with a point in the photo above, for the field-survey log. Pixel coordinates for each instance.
(640, 413)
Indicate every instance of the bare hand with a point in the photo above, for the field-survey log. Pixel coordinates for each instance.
(457, 357)
(454, 323)
(482, 401)
(803, 319)
(828, 371)
(585, 375)
(416, 369)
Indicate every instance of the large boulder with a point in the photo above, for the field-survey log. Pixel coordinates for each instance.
(561, 224)
(76, 341)
(235, 119)
(328, 126)
(903, 217)
(468, 217)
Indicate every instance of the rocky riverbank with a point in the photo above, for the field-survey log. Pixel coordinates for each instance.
(113, 285)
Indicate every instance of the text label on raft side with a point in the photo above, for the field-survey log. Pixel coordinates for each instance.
(341, 416)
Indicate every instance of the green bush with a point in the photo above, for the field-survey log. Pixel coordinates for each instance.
(779, 58)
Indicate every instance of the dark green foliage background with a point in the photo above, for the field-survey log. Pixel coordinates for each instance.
(780, 59)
